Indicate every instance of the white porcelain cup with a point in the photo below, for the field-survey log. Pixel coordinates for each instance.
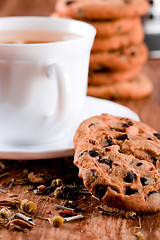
(42, 86)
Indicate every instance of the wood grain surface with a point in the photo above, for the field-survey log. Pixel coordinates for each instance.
(95, 226)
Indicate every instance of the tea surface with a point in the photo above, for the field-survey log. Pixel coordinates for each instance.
(34, 36)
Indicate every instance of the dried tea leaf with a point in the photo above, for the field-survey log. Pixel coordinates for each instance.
(12, 204)
(41, 190)
(25, 218)
(28, 206)
(5, 213)
(67, 213)
(56, 221)
(34, 178)
(18, 224)
(2, 222)
(130, 215)
(56, 183)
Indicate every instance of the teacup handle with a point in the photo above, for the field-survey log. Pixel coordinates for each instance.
(64, 88)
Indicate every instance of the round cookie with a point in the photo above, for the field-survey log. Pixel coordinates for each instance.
(100, 9)
(118, 159)
(122, 59)
(136, 36)
(116, 124)
(116, 26)
(109, 77)
(136, 88)
(111, 27)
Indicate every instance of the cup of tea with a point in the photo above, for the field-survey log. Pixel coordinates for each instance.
(43, 77)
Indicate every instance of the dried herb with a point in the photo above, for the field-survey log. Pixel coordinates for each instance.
(36, 178)
(18, 224)
(4, 175)
(24, 218)
(28, 206)
(11, 184)
(107, 212)
(71, 204)
(41, 190)
(2, 222)
(140, 236)
(95, 197)
(56, 183)
(12, 204)
(5, 213)
(68, 219)
(67, 213)
(56, 221)
(63, 207)
(52, 183)
(140, 225)
(131, 215)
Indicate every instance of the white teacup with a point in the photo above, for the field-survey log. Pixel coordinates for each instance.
(42, 85)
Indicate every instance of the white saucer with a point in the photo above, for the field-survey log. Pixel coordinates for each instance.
(64, 148)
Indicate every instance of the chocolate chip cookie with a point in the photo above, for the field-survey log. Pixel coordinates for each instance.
(118, 41)
(137, 88)
(100, 9)
(123, 59)
(110, 77)
(118, 159)
(111, 27)
(115, 26)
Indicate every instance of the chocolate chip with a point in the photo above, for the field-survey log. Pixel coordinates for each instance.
(69, 2)
(157, 135)
(144, 181)
(150, 193)
(107, 149)
(154, 159)
(150, 139)
(130, 177)
(81, 154)
(93, 153)
(114, 189)
(106, 161)
(115, 164)
(94, 173)
(133, 53)
(115, 129)
(92, 124)
(128, 124)
(130, 191)
(122, 137)
(139, 164)
(120, 151)
(108, 141)
(151, 169)
(102, 189)
(92, 141)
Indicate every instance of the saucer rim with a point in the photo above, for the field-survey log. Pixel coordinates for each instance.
(68, 151)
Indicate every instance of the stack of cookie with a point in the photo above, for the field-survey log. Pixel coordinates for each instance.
(118, 52)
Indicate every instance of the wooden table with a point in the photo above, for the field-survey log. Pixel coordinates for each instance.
(95, 225)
